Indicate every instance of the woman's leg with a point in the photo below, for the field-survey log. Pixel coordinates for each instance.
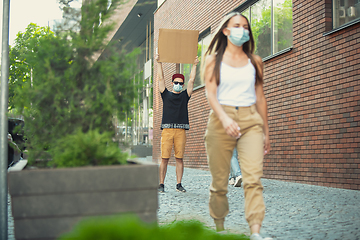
(219, 165)
(250, 147)
(219, 148)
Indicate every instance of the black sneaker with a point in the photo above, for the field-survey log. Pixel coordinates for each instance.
(180, 188)
(161, 188)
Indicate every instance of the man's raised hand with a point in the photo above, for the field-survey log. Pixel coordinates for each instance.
(157, 57)
(196, 61)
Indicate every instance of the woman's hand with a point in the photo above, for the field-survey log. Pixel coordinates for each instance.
(231, 127)
(266, 144)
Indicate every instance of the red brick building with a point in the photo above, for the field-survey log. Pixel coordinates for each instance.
(312, 84)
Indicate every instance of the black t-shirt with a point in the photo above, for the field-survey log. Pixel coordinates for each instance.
(175, 110)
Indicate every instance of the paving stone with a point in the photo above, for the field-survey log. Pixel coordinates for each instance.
(293, 211)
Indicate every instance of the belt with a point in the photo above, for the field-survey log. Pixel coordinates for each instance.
(252, 107)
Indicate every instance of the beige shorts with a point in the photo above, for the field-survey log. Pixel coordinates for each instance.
(173, 137)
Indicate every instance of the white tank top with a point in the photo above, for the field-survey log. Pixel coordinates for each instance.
(237, 85)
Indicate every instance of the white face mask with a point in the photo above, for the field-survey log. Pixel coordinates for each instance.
(177, 87)
(238, 36)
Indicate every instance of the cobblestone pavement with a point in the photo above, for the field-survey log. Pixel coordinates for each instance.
(293, 211)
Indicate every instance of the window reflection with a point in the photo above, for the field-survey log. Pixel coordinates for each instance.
(246, 13)
(261, 27)
(345, 11)
(271, 25)
(282, 37)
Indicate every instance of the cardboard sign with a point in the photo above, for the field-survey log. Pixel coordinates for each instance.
(177, 46)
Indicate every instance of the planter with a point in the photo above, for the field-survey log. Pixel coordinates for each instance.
(49, 202)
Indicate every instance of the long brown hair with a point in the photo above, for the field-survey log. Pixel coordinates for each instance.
(218, 45)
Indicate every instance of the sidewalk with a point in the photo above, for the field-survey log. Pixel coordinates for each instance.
(293, 210)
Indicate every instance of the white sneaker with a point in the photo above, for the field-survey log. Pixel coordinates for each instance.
(232, 181)
(256, 236)
(238, 181)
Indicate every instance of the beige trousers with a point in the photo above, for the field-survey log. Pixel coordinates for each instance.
(250, 147)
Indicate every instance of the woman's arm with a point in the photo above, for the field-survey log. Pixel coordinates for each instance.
(230, 126)
(261, 106)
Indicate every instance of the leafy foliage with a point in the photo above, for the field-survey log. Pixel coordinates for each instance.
(20, 71)
(83, 149)
(130, 227)
(72, 88)
(261, 26)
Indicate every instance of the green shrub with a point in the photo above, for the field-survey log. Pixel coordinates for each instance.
(128, 227)
(90, 148)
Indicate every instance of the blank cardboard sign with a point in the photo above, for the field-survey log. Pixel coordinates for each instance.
(177, 46)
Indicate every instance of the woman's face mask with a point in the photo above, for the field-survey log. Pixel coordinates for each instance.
(238, 36)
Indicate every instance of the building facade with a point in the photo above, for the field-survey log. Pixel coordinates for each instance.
(133, 30)
(311, 55)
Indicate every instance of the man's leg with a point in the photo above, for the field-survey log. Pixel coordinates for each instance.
(166, 147)
(235, 171)
(235, 168)
(179, 174)
(163, 169)
(179, 169)
(179, 147)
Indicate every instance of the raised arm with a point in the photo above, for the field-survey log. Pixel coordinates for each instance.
(190, 85)
(160, 74)
(230, 126)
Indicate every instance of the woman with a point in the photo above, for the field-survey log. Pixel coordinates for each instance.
(234, 86)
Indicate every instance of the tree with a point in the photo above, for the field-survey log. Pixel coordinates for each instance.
(70, 90)
(261, 27)
(284, 24)
(20, 71)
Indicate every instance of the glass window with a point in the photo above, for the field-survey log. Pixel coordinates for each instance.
(260, 21)
(185, 69)
(271, 25)
(246, 13)
(283, 25)
(345, 11)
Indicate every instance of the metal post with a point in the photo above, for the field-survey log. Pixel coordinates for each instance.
(3, 122)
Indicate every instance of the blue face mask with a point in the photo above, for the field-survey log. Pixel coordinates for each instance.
(177, 87)
(238, 36)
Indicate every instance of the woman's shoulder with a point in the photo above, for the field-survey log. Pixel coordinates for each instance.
(210, 59)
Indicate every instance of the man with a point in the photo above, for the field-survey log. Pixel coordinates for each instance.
(175, 121)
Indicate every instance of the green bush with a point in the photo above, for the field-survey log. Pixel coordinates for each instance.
(90, 148)
(128, 227)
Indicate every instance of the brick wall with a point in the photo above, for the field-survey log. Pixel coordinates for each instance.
(312, 93)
